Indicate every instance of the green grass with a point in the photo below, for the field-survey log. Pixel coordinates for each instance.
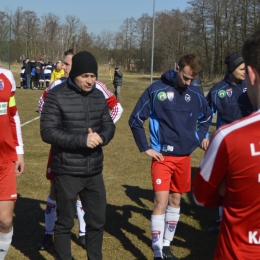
(129, 192)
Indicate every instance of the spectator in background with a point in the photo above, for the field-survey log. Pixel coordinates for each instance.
(118, 78)
(47, 73)
(32, 80)
(27, 71)
(229, 174)
(38, 69)
(22, 77)
(58, 72)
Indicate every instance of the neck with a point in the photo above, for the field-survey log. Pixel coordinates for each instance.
(234, 80)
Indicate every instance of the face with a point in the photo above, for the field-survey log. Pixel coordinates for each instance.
(67, 65)
(251, 85)
(85, 81)
(185, 76)
(239, 72)
(58, 66)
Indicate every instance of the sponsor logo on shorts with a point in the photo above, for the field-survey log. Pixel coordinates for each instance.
(161, 96)
(155, 235)
(158, 181)
(222, 93)
(13, 195)
(49, 170)
(171, 225)
(187, 98)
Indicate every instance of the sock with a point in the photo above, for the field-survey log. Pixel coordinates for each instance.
(157, 229)
(171, 220)
(50, 216)
(5, 242)
(220, 211)
(81, 213)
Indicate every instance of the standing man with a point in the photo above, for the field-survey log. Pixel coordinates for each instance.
(11, 158)
(225, 97)
(27, 72)
(179, 123)
(75, 120)
(118, 78)
(229, 173)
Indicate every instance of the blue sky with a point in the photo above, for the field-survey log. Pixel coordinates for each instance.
(97, 15)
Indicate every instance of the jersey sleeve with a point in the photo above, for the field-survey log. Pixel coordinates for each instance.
(211, 173)
(15, 119)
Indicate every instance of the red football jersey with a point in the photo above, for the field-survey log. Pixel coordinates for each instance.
(234, 156)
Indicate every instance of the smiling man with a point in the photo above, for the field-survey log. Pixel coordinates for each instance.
(75, 120)
(179, 123)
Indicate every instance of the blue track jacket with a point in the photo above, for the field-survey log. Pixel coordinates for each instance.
(179, 117)
(229, 100)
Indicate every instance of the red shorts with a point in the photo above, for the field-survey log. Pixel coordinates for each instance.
(49, 174)
(173, 173)
(8, 181)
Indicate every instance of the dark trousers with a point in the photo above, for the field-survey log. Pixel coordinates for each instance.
(93, 197)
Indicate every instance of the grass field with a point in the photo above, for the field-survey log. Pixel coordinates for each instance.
(129, 194)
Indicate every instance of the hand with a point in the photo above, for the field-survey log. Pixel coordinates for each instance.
(93, 139)
(204, 144)
(152, 153)
(19, 165)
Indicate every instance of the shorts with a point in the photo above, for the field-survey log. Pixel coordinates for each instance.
(173, 173)
(8, 189)
(49, 174)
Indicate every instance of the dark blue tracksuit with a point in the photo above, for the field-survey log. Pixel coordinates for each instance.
(179, 117)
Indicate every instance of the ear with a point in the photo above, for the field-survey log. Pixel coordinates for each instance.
(177, 68)
(252, 75)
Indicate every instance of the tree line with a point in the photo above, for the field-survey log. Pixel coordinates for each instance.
(210, 28)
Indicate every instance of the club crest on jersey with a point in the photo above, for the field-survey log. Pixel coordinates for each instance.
(222, 93)
(170, 95)
(187, 98)
(229, 92)
(244, 90)
(161, 96)
(2, 85)
(155, 235)
(171, 225)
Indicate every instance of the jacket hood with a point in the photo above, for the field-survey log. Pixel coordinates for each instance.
(168, 77)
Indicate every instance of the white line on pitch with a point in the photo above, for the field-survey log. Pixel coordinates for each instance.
(30, 121)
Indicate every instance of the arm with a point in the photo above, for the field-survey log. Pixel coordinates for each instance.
(16, 129)
(208, 182)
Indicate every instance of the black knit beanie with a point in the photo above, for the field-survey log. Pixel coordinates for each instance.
(233, 61)
(83, 62)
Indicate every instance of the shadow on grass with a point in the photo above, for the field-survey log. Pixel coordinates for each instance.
(194, 237)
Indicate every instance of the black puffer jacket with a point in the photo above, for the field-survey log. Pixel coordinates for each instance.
(66, 116)
(118, 78)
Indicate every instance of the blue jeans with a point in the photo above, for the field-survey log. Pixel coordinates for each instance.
(27, 80)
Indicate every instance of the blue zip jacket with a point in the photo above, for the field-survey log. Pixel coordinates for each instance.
(229, 100)
(179, 117)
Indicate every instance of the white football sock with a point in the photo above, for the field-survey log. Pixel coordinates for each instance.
(5, 242)
(81, 213)
(171, 220)
(157, 229)
(50, 216)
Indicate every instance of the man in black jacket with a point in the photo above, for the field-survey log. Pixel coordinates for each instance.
(75, 120)
(118, 78)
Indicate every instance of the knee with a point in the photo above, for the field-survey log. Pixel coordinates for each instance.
(6, 225)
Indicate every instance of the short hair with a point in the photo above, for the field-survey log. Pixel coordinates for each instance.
(251, 51)
(70, 52)
(191, 60)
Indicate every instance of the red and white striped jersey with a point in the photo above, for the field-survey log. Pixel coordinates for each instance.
(11, 142)
(115, 107)
(233, 156)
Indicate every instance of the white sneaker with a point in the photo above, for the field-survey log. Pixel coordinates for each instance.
(35, 88)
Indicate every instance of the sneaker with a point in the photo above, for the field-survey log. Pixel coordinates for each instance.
(167, 254)
(35, 88)
(45, 242)
(82, 241)
(215, 228)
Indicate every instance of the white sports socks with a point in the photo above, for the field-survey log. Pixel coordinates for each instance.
(5, 242)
